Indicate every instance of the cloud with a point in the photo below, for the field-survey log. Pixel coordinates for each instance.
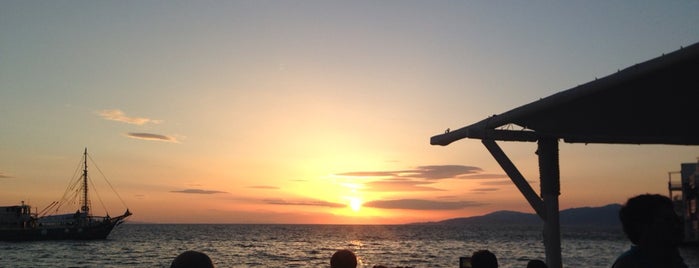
(436, 172)
(431, 172)
(198, 191)
(420, 204)
(119, 116)
(485, 189)
(483, 176)
(152, 137)
(497, 182)
(264, 187)
(315, 203)
(3, 176)
(418, 179)
(400, 185)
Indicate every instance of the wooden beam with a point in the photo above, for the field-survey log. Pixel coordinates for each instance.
(484, 134)
(516, 177)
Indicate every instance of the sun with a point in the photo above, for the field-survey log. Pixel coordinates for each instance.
(355, 203)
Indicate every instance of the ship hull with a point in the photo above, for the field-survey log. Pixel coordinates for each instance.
(94, 232)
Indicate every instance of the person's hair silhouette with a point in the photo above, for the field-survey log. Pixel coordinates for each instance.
(343, 259)
(484, 259)
(650, 222)
(192, 259)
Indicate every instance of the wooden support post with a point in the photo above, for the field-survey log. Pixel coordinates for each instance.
(550, 190)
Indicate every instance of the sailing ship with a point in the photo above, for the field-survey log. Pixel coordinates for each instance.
(18, 223)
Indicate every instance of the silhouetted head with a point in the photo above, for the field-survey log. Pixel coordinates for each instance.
(343, 259)
(484, 259)
(650, 220)
(192, 259)
(536, 264)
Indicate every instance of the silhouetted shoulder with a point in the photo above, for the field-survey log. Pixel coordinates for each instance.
(629, 259)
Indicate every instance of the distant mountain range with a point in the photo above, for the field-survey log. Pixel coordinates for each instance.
(585, 216)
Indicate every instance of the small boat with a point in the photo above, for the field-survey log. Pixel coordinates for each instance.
(18, 223)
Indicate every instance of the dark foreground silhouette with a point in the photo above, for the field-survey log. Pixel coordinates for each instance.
(192, 259)
(650, 222)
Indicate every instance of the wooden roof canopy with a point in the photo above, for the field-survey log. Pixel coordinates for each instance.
(654, 102)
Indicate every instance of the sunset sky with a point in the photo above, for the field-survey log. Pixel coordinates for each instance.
(313, 111)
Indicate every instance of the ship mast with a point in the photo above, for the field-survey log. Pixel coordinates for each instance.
(85, 207)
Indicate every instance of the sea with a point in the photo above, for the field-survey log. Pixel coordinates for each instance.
(268, 245)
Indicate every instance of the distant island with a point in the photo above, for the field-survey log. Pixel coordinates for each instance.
(605, 216)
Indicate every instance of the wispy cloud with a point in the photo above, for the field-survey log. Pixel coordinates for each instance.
(418, 179)
(314, 203)
(430, 172)
(264, 187)
(400, 185)
(198, 191)
(497, 182)
(119, 116)
(485, 189)
(5, 176)
(421, 204)
(151, 137)
(436, 172)
(483, 176)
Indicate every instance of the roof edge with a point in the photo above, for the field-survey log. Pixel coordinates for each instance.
(629, 73)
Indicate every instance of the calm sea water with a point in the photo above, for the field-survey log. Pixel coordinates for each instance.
(149, 245)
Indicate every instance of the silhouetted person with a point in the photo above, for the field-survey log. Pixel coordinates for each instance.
(536, 264)
(484, 259)
(192, 259)
(650, 222)
(343, 259)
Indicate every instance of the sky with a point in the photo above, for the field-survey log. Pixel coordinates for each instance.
(313, 112)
